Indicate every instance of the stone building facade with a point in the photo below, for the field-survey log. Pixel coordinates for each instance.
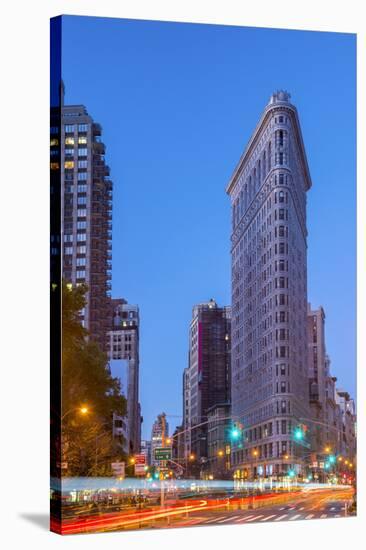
(269, 294)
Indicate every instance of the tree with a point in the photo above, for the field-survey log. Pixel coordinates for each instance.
(87, 441)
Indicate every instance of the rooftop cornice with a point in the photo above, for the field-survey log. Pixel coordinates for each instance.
(266, 115)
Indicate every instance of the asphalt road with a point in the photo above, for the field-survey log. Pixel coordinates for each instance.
(331, 504)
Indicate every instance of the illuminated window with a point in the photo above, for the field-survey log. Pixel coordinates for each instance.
(55, 166)
(54, 141)
(69, 141)
(69, 164)
(82, 139)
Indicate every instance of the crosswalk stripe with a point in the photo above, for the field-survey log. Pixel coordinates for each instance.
(268, 517)
(282, 508)
(215, 519)
(243, 518)
(255, 517)
(281, 517)
(302, 507)
(231, 518)
(295, 517)
(309, 516)
(323, 516)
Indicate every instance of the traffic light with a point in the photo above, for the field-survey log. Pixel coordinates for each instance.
(332, 459)
(235, 433)
(298, 434)
(291, 473)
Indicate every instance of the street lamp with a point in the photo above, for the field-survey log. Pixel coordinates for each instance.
(83, 410)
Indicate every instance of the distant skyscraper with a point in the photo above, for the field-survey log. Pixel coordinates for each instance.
(269, 292)
(86, 211)
(159, 433)
(207, 378)
(123, 345)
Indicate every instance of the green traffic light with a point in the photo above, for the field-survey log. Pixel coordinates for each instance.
(298, 434)
(235, 433)
(332, 459)
(291, 473)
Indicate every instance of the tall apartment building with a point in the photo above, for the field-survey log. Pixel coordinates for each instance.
(348, 419)
(86, 211)
(269, 293)
(123, 345)
(207, 379)
(159, 433)
(317, 372)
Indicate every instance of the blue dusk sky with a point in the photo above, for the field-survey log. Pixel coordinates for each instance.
(178, 103)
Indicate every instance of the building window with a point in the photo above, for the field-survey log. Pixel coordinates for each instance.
(81, 225)
(82, 176)
(54, 166)
(83, 152)
(69, 164)
(69, 141)
(81, 200)
(80, 274)
(81, 249)
(81, 188)
(82, 127)
(82, 164)
(82, 213)
(68, 250)
(81, 236)
(80, 261)
(69, 128)
(82, 140)
(69, 152)
(54, 141)
(54, 129)
(68, 238)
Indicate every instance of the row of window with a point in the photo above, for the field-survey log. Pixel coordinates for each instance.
(69, 164)
(79, 250)
(71, 128)
(82, 140)
(68, 237)
(82, 152)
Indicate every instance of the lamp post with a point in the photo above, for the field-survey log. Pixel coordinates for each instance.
(83, 410)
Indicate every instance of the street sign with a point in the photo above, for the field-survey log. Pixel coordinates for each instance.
(118, 469)
(140, 470)
(163, 453)
(140, 459)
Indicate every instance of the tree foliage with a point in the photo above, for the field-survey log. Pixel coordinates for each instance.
(88, 445)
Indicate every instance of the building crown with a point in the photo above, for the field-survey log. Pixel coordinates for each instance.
(280, 96)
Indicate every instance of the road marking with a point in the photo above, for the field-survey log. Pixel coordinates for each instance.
(309, 516)
(231, 518)
(269, 517)
(302, 507)
(333, 508)
(215, 519)
(295, 517)
(282, 508)
(255, 517)
(323, 516)
(243, 518)
(281, 517)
